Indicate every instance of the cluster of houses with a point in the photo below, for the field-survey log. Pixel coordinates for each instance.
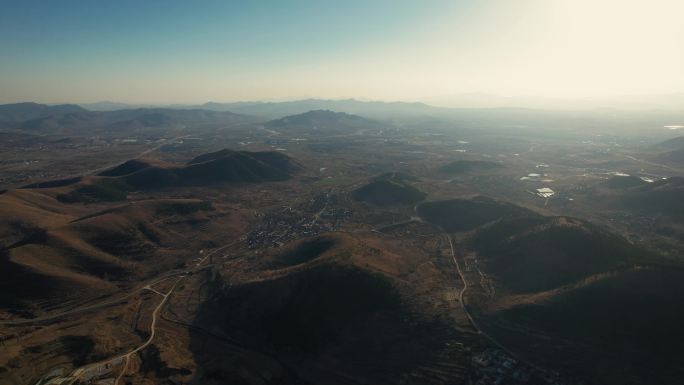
(496, 367)
(281, 226)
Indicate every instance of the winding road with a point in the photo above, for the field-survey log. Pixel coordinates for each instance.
(78, 373)
(96, 369)
(470, 317)
(113, 301)
(99, 305)
(461, 294)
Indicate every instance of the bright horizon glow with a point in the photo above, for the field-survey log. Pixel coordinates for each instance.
(178, 52)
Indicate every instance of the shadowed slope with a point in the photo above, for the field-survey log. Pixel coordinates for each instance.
(389, 189)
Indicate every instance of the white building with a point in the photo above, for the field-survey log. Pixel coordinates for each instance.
(545, 192)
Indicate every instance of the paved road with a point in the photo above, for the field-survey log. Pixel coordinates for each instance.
(140, 155)
(472, 320)
(78, 373)
(100, 305)
(461, 294)
(112, 165)
(124, 358)
(113, 301)
(325, 206)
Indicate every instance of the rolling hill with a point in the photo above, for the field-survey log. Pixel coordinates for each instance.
(81, 235)
(568, 294)
(71, 254)
(675, 157)
(670, 151)
(527, 252)
(211, 169)
(676, 143)
(224, 166)
(530, 254)
(323, 121)
(467, 214)
(616, 328)
(388, 190)
(662, 197)
(331, 308)
(631, 194)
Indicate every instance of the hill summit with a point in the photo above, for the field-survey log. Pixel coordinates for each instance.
(389, 189)
(224, 166)
(323, 120)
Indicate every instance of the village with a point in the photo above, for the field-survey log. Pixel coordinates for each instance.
(496, 367)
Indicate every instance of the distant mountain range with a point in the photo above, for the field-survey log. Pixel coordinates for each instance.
(474, 100)
(27, 111)
(482, 111)
(281, 109)
(37, 117)
(108, 115)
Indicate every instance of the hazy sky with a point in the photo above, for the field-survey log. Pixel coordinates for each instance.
(193, 51)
